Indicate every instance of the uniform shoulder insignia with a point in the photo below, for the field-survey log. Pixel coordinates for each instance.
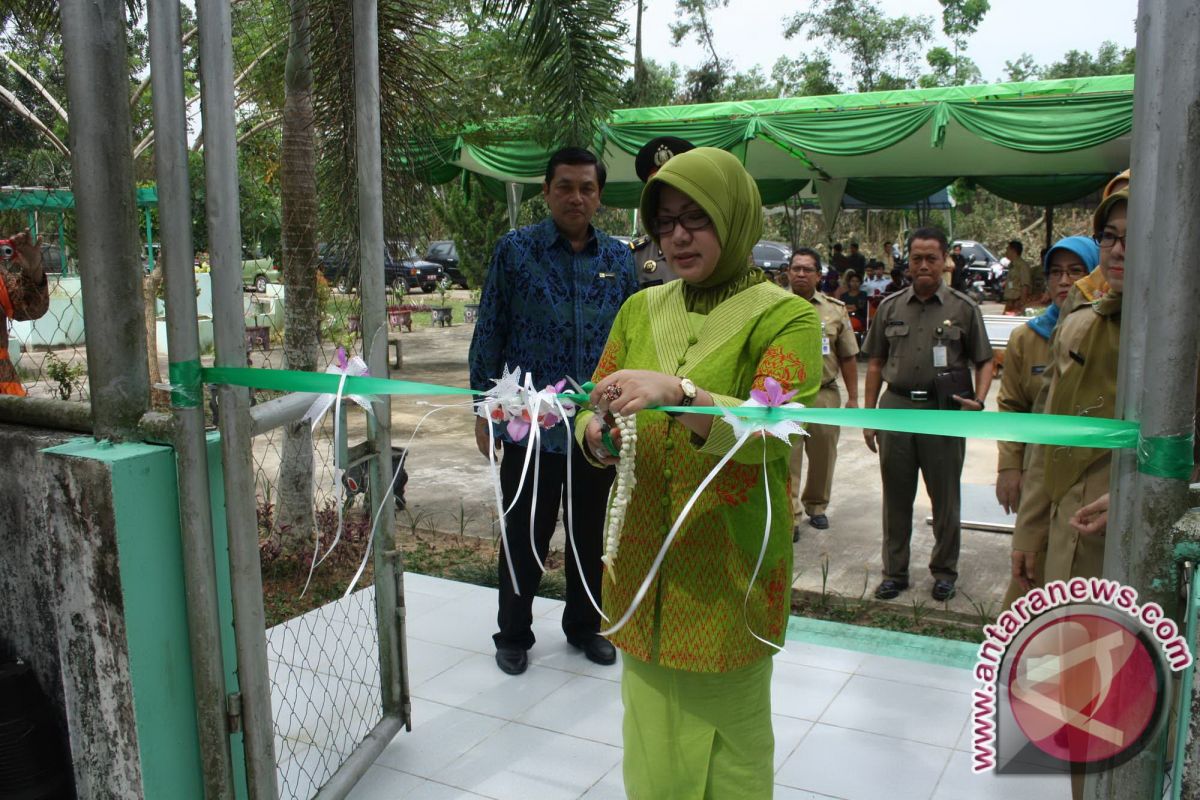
(834, 300)
(640, 241)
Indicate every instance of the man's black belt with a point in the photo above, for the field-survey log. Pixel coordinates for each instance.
(830, 384)
(915, 395)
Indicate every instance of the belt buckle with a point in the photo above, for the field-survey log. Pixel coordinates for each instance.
(918, 395)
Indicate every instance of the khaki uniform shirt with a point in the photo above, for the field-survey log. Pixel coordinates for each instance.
(906, 330)
(650, 263)
(839, 341)
(1025, 361)
(1020, 277)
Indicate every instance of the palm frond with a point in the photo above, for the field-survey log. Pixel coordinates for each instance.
(409, 75)
(571, 49)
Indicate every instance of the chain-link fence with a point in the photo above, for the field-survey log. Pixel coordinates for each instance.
(46, 335)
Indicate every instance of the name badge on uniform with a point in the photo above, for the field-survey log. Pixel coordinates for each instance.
(826, 348)
(939, 355)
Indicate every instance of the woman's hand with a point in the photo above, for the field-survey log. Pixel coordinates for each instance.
(628, 391)
(593, 436)
(1092, 519)
(1008, 489)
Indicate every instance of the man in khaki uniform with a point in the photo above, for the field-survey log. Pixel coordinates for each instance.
(1025, 360)
(838, 348)
(1019, 284)
(923, 331)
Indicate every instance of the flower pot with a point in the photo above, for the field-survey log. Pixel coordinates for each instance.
(353, 323)
(470, 312)
(258, 337)
(441, 316)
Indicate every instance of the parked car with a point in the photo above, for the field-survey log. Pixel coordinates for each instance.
(445, 253)
(403, 270)
(402, 261)
(772, 256)
(258, 270)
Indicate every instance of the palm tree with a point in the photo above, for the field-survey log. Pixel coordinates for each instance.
(570, 49)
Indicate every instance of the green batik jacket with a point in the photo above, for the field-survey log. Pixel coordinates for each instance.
(692, 617)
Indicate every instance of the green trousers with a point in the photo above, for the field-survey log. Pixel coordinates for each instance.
(697, 735)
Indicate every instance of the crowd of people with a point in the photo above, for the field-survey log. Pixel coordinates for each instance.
(683, 320)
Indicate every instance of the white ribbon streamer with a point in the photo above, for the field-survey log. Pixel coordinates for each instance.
(570, 508)
(761, 555)
(662, 551)
(391, 488)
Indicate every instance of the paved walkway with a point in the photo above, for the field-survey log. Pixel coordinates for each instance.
(848, 724)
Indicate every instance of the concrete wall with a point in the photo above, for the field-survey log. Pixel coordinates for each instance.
(92, 597)
(62, 609)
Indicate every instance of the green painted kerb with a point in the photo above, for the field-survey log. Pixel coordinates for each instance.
(145, 499)
(944, 652)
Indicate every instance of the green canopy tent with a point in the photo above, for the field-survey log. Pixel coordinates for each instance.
(1038, 143)
(35, 199)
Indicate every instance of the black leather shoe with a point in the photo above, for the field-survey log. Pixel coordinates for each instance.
(597, 649)
(819, 521)
(890, 589)
(512, 660)
(795, 533)
(943, 590)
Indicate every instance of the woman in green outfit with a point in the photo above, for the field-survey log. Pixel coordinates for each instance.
(697, 667)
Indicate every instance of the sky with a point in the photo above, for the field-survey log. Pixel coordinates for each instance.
(750, 32)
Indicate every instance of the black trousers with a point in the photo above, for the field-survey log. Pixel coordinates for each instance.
(589, 499)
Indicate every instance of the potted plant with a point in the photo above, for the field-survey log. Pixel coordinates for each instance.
(471, 309)
(442, 314)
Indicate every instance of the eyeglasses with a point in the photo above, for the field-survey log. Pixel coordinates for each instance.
(1074, 272)
(1108, 239)
(690, 220)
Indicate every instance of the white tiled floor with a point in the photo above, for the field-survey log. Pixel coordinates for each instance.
(847, 724)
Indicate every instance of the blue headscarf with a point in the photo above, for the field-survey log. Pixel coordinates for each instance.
(1089, 253)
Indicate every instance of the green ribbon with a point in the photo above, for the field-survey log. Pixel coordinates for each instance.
(284, 380)
(1166, 456)
(1052, 429)
(186, 386)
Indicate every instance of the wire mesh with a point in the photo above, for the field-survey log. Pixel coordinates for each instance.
(45, 339)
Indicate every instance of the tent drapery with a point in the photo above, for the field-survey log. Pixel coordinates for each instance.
(1038, 142)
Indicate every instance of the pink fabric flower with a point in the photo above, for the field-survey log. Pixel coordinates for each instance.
(518, 426)
(774, 396)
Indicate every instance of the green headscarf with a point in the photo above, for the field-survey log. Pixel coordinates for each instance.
(719, 184)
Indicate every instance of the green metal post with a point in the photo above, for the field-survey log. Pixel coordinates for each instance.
(1182, 730)
(149, 243)
(62, 245)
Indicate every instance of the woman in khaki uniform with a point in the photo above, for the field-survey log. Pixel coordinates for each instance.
(1025, 362)
(1082, 376)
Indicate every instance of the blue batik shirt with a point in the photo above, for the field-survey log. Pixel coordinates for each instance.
(547, 309)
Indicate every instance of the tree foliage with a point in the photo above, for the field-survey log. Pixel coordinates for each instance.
(1110, 59)
(884, 51)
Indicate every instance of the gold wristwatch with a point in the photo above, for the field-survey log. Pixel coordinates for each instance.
(689, 391)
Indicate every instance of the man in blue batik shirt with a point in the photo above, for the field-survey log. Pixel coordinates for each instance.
(551, 294)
